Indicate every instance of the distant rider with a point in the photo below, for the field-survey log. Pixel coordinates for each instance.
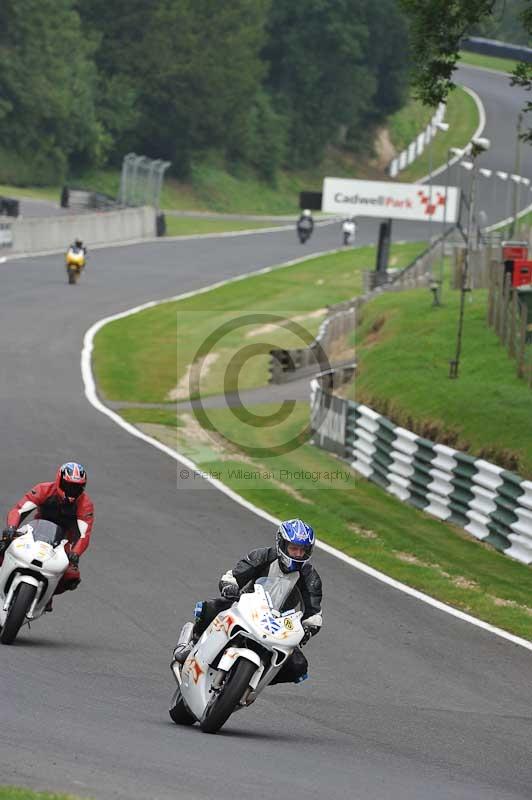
(349, 230)
(294, 543)
(65, 503)
(77, 246)
(305, 225)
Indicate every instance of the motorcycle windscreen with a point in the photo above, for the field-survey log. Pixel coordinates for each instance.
(283, 593)
(45, 531)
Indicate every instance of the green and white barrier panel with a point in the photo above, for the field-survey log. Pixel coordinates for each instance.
(491, 503)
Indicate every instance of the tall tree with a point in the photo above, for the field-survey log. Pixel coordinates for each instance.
(198, 73)
(47, 113)
(118, 30)
(329, 69)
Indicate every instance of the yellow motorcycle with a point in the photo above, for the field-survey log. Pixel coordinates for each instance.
(75, 261)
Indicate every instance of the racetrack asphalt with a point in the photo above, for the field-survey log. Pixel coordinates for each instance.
(404, 701)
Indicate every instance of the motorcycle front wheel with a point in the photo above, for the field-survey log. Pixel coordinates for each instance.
(226, 702)
(72, 275)
(20, 605)
(178, 711)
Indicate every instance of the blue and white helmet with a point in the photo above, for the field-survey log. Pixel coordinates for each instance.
(298, 533)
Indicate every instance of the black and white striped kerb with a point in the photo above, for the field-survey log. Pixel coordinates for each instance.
(490, 503)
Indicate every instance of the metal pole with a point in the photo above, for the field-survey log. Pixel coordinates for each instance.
(516, 171)
(126, 167)
(444, 226)
(432, 134)
(454, 365)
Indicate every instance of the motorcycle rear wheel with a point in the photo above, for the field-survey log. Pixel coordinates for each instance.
(20, 605)
(223, 706)
(178, 711)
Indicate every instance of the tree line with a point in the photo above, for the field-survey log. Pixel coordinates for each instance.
(266, 83)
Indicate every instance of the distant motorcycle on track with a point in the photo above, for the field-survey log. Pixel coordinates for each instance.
(348, 232)
(75, 262)
(305, 226)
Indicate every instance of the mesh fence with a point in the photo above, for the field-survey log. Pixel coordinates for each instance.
(141, 180)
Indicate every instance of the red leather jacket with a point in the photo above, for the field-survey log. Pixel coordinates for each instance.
(75, 518)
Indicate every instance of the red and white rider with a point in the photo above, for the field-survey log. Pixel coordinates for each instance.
(65, 503)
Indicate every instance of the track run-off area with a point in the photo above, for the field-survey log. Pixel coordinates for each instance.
(404, 700)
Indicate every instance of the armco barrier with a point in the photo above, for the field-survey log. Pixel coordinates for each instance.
(38, 234)
(492, 47)
(488, 502)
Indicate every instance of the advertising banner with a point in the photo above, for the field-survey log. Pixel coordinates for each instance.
(387, 200)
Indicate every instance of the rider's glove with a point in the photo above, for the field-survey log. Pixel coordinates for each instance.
(310, 631)
(8, 534)
(74, 559)
(230, 591)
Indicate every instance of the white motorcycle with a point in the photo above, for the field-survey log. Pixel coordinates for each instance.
(348, 232)
(239, 654)
(33, 565)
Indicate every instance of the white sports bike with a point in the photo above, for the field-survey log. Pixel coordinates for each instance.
(239, 654)
(34, 563)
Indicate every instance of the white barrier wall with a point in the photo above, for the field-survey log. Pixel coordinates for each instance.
(38, 234)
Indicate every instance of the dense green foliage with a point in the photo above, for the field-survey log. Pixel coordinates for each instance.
(47, 85)
(505, 23)
(262, 83)
(436, 47)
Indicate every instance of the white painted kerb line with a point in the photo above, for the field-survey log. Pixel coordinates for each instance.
(92, 397)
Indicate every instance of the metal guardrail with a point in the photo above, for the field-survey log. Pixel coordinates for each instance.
(492, 47)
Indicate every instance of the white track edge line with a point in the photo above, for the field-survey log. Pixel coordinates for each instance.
(92, 397)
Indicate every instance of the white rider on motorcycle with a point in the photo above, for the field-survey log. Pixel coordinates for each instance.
(349, 229)
(305, 223)
(294, 543)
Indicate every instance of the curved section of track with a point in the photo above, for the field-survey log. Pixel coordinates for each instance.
(403, 701)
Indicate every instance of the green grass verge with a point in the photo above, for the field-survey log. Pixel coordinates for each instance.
(403, 348)
(15, 793)
(462, 117)
(155, 416)
(353, 514)
(487, 62)
(34, 193)
(143, 357)
(186, 226)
